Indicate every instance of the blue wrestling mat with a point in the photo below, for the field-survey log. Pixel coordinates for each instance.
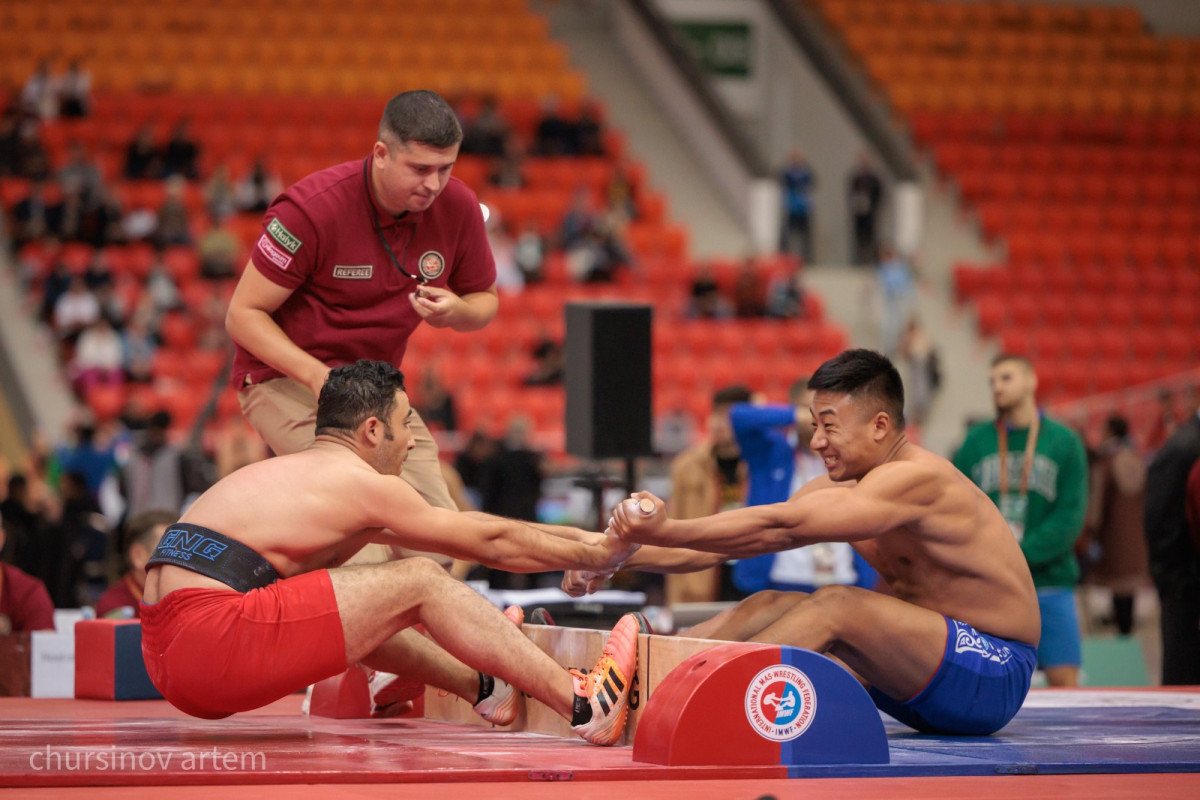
(1055, 733)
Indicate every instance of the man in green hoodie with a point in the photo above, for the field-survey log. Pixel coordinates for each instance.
(1035, 470)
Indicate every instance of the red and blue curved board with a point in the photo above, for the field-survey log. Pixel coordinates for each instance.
(744, 704)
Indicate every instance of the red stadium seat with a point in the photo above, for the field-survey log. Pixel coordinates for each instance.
(1149, 310)
(76, 256)
(992, 312)
(1048, 344)
(1081, 344)
(1056, 309)
(1112, 343)
(1128, 281)
(1138, 372)
(182, 263)
(1082, 248)
(972, 279)
(106, 401)
(228, 406)
(1183, 310)
(1019, 341)
(1117, 311)
(1179, 344)
(1186, 281)
(1145, 343)
(1108, 377)
(1023, 310)
(178, 331)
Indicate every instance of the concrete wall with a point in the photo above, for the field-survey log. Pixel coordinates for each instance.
(748, 195)
(784, 104)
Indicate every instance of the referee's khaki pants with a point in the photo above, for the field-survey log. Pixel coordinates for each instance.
(284, 412)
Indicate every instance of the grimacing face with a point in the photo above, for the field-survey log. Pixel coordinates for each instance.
(393, 450)
(846, 432)
(410, 175)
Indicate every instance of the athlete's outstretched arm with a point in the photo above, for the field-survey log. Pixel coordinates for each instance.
(495, 542)
(890, 496)
(562, 531)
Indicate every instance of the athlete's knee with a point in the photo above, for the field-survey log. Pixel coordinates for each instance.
(769, 598)
(769, 604)
(420, 569)
(837, 599)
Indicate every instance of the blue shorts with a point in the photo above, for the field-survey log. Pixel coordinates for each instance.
(978, 688)
(1060, 645)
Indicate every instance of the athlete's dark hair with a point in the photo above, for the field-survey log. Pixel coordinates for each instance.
(421, 116)
(354, 392)
(866, 376)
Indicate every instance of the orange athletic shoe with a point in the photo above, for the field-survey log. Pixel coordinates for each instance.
(503, 704)
(606, 687)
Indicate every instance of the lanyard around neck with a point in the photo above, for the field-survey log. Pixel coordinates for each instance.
(1027, 463)
(379, 229)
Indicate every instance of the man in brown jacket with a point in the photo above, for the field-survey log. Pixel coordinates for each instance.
(706, 478)
(1114, 531)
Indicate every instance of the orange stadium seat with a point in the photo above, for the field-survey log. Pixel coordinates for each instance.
(106, 401)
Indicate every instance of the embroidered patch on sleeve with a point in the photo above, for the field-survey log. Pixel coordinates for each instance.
(282, 235)
(273, 253)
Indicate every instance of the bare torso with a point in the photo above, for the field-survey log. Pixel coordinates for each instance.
(306, 511)
(958, 557)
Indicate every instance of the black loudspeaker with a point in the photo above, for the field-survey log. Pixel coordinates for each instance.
(607, 377)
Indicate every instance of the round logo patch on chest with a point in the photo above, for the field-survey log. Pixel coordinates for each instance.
(780, 703)
(432, 265)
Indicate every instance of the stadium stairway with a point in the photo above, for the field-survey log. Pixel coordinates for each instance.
(585, 28)
(947, 236)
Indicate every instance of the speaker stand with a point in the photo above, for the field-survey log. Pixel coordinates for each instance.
(596, 480)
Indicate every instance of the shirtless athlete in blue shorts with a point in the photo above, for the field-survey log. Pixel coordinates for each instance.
(953, 651)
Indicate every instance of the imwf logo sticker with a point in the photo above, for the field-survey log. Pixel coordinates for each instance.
(780, 703)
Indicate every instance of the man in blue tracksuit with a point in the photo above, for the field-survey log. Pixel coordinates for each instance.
(774, 441)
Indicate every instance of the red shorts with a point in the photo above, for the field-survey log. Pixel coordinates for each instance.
(216, 652)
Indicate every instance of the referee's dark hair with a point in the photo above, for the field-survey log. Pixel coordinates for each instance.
(420, 116)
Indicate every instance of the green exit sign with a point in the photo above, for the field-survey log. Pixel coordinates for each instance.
(722, 48)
